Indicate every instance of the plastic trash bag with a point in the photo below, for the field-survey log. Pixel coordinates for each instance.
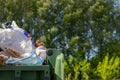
(16, 39)
(30, 59)
(34, 58)
(41, 51)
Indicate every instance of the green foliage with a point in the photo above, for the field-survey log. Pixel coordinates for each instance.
(73, 40)
(76, 70)
(109, 68)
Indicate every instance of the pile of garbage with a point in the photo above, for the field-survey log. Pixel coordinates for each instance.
(17, 48)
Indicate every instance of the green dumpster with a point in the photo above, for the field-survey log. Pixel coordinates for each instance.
(51, 70)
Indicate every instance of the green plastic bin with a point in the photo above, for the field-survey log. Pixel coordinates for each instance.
(49, 71)
(25, 72)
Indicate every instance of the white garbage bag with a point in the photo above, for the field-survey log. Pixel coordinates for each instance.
(15, 38)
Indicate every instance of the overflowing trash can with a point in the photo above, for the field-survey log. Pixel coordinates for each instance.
(20, 59)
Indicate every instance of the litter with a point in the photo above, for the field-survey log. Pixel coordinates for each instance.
(16, 47)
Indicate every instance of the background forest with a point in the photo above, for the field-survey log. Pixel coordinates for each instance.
(86, 31)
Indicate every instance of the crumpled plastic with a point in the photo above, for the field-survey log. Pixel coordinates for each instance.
(32, 59)
(17, 39)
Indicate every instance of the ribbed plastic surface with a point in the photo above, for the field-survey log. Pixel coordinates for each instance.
(25, 72)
